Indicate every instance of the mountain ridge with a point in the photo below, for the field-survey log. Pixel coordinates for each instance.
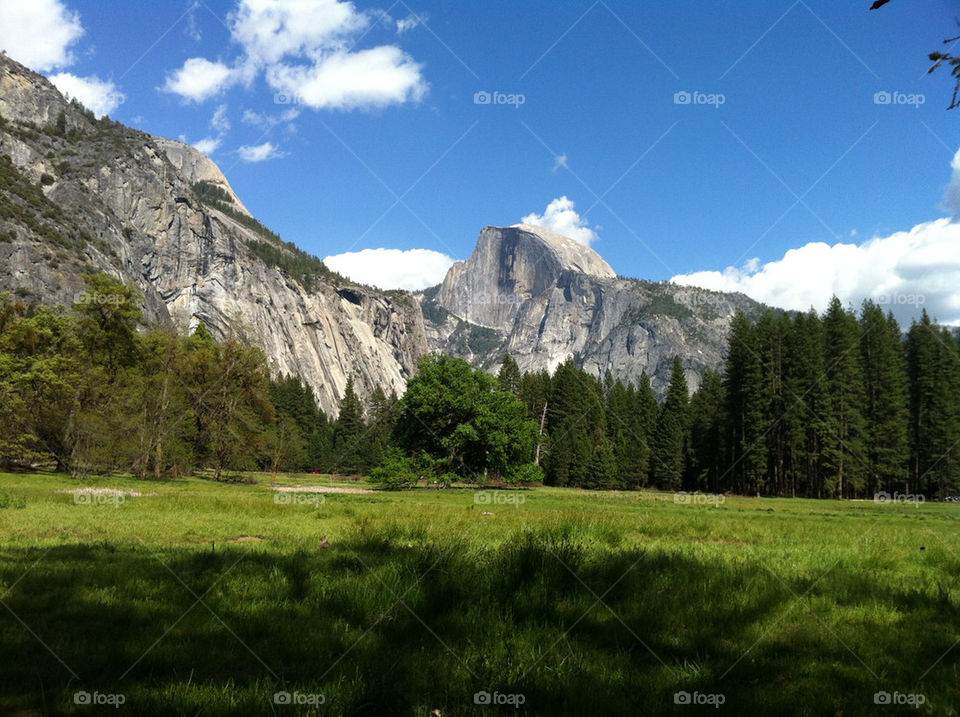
(82, 195)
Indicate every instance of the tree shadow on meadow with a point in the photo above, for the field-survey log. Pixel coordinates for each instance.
(390, 624)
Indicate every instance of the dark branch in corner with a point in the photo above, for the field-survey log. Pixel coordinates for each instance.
(938, 58)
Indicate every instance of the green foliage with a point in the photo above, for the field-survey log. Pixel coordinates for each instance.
(455, 415)
(396, 470)
(670, 438)
(24, 203)
(207, 192)
(433, 312)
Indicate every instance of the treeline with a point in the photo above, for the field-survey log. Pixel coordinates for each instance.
(815, 405)
(832, 405)
(81, 388)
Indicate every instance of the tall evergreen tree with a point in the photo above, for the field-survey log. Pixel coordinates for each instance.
(806, 394)
(845, 430)
(932, 367)
(349, 433)
(886, 410)
(670, 439)
(743, 388)
(508, 379)
(706, 434)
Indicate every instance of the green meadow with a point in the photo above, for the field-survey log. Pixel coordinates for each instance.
(205, 598)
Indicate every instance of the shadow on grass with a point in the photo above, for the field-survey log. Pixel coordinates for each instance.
(388, 623)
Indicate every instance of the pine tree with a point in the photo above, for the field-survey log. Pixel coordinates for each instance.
(706, 434)
(348, 433)
(932, 367)
(845, 428)
(670, 439)
(886, 409)
(509, 377)
(806, 404)
(743, 388)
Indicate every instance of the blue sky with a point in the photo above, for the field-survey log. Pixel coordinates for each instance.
(783, 145)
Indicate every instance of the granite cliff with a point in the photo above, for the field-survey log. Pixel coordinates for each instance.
(81, 195)
(543, 298)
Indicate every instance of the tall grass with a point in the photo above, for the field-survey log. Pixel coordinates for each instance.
(580, 603)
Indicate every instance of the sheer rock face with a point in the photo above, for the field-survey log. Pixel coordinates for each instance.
(126, 207)
(121, 201)
(510, 266)
(544, 298)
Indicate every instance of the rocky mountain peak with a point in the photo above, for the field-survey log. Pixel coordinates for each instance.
(511, 265)
(571, 254)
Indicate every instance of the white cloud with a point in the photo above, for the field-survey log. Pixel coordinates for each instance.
(304, 49)
(412, 269)
(267, 122)
(561, 218)
(348, 80)
(199, 79)
(259, 152)
(409, 22)
(220, 121)
(902, 272)
(208, 145)
(39, 33)
(951, 199)
(99, 96)
(269, 30)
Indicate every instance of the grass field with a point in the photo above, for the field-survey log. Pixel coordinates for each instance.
(206, 598)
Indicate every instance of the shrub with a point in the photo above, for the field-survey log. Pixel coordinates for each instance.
(528, 473)
(395, 471)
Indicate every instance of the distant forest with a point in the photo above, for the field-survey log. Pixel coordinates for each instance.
(831, 405)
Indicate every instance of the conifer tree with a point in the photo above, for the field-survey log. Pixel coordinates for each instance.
(886, 409)
(348, 433)
(845, 428)
(670, 439)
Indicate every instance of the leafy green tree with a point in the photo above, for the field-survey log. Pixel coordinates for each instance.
(456, 416)
(230, 398)
(108, 313)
